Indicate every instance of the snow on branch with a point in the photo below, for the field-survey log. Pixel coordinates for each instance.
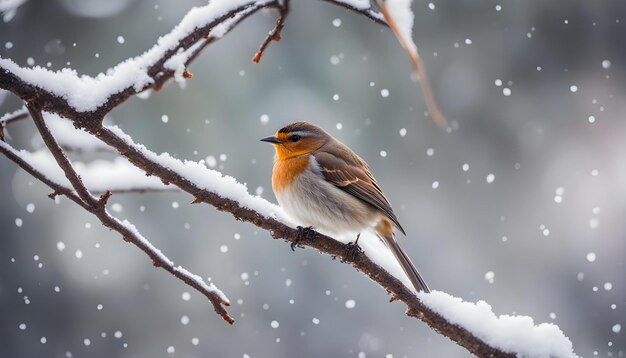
(66, 93)
(97, 206)
(85, 100)
(514, 334)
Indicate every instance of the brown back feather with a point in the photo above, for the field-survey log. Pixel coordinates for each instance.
(347, 171)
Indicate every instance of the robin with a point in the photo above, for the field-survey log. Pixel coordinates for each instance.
(323, 184)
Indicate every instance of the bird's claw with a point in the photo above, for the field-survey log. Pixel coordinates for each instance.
(301, 234)
(353, 249)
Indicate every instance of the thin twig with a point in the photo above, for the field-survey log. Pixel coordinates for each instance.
(273, 35)
(418, 69)
(59, 155)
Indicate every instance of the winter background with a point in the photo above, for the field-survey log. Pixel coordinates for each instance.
(521, 203)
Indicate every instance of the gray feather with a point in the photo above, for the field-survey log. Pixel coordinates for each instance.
(406, 264)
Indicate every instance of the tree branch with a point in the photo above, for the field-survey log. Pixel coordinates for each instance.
(157, 71)
(98, 208)
(418, 68)
(60, 157)
(274, 35)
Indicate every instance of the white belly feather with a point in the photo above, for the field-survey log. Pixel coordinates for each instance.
(313, 201)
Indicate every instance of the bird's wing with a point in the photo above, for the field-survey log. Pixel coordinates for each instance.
(348, 172)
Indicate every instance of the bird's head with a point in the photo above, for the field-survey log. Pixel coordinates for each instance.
(297, 139)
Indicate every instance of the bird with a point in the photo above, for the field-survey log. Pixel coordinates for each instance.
(323, 184)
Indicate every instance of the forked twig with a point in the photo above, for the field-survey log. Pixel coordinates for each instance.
(97, 206)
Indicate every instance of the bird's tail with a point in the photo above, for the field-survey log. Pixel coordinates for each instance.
(406, 264)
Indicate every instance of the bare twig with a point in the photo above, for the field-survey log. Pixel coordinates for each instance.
(273, 35)
(59, 156)
(418, 69)
(98, 208)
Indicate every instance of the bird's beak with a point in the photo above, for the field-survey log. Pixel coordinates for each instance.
(271, 139)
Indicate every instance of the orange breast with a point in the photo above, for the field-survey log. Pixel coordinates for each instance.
(286, 171)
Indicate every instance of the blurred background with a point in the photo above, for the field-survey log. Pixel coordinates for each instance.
(520, 202)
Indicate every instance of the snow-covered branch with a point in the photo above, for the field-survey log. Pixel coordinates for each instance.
(85, 100)
(97, 206)
(90, 98)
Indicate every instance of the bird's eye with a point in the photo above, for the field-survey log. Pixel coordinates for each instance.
(294, 138)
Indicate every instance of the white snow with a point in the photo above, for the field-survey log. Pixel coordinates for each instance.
(514, 334)
(208, 287)
(177, 62)
(208, 179)
(85, 93)
(400, 12)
